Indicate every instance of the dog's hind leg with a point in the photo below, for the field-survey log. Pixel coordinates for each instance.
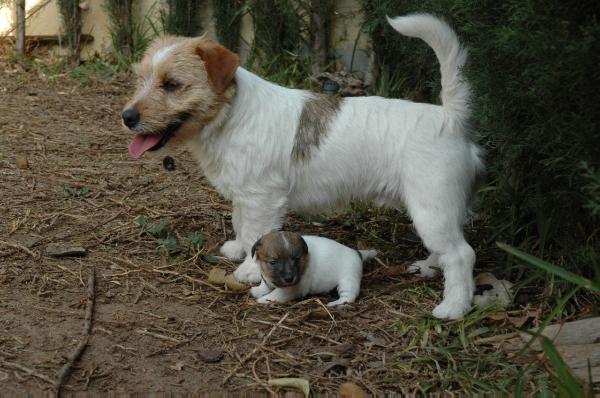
(234, 249)
(440, 228)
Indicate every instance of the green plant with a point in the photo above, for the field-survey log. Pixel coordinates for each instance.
(91, 72)
(181, 17)
(72, 21)
(228, 17)
(533, 69)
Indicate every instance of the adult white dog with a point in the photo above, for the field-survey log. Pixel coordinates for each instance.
(270, 149)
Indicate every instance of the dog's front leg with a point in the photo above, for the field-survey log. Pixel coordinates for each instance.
(259, 217)
(234, 249)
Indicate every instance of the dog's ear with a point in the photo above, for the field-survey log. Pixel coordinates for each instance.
(255, 248)
(220, 64)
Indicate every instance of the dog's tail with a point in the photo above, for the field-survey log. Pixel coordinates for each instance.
(456, 92)
(367, 254)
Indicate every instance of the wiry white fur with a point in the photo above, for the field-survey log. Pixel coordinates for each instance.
(390, 150)
(331, 265)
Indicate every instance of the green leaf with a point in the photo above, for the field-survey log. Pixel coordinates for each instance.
(567, 384)
(553, 269)
(169, 245)
(211, 259)
(196, 240)
(141, 220)
(160, 229)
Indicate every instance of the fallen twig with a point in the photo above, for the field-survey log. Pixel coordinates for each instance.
(20, 247)
(251, 353)
(14, 365)
(64, 372)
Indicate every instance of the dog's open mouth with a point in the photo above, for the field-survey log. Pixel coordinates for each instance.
(143, 143)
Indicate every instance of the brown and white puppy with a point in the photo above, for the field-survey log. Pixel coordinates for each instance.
(294, 266)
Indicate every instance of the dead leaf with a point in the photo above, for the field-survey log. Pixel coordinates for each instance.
(22, 162)
(233, 284)
(291, 382)
(351, 390)
(217, 276)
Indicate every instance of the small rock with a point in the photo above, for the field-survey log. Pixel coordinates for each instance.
(57, 250)
(351, 390)
(211, 356)
(22, 162)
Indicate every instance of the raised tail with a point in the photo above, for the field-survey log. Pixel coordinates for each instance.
(456, 92)
(367, 254)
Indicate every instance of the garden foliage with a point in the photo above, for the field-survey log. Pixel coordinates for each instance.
(534, 68)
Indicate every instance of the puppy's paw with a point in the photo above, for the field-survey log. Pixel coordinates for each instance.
(263, 300)
(340, 301)
(451, 309)
(424, 269)
(233, 250)
(257, 292)
(247, 272)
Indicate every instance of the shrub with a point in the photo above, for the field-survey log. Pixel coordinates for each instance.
(535, 76)
(228, 18)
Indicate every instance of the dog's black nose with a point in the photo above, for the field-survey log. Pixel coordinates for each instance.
(131, 117)
(289, 279)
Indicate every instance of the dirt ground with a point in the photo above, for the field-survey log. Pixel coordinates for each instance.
(156, 316)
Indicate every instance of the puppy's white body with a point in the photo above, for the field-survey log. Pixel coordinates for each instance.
(331, 265)
(393, 151)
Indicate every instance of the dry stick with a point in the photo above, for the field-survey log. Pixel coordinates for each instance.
(87, 328)
(249, 355)
(18, 246)
(22, 368)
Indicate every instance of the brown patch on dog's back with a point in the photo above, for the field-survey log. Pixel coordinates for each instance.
(317, 113)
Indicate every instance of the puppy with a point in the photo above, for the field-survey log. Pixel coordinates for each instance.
(293, 266)
(271, 149)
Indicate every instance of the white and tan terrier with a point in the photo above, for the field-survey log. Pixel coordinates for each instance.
(270, 149)
(294, 266)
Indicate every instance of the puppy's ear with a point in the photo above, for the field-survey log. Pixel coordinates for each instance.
(304, 246)
(220, 64)
(255, 248)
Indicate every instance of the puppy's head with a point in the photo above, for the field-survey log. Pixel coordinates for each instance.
(282, 256)
(182, 85)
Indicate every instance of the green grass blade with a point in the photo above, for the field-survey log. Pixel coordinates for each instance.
(567, 384)
(554, 269)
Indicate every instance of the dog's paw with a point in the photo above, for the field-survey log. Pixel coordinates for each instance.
(424, 269)
(338, 302)
(258, 291)
(263, 300)
(247, 272)
(233, 250)
(451, 309)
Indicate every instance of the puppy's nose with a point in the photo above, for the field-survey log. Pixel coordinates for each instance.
(289, 279)
(131, 117)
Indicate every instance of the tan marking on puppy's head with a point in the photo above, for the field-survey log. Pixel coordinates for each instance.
(182, 85)
(282, 256)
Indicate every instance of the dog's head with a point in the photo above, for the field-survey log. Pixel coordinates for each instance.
(182, 85)
(282, 257)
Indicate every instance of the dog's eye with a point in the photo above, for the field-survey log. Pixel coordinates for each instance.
(273, 263)
(170, 85)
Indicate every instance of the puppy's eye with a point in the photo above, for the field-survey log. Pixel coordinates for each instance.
(170, 85)
(273, 263)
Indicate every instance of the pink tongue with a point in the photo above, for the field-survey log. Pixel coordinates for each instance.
(141, 143)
